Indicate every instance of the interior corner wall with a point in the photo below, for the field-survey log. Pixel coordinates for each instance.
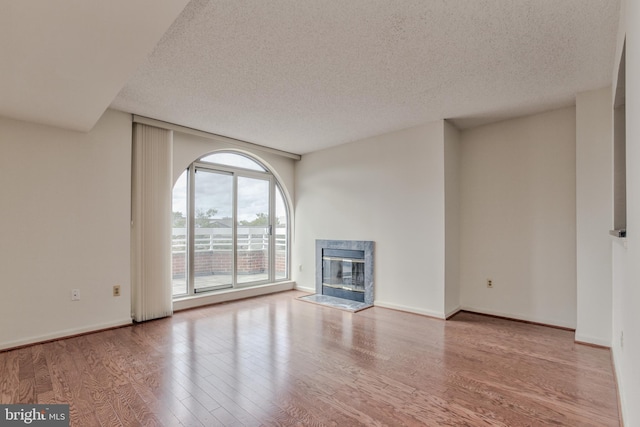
(65, 225)
(518, 224)
(594, 215)
(626, 268)
(389, 189)
(452, 218)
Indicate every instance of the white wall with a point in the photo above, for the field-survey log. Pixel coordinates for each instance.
(65, 224)
(594, 215)
(389, 189)
(517, 205)
(452, 218)
(626, 268)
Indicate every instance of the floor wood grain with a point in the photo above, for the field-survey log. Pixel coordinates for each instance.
(277, 361)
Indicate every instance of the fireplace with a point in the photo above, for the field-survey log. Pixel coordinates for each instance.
(344, 269)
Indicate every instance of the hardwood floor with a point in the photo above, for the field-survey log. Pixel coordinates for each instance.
(276, 360)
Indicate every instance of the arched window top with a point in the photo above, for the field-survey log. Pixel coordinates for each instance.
(235, 160)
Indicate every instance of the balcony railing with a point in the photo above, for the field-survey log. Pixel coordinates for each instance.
(221, 239)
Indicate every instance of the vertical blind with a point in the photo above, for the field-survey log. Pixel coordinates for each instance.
(151, 222)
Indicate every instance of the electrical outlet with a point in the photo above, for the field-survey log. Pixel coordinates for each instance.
(116, 291)
(75, 294)
(300, 267)
(621, 339)
(489, 283)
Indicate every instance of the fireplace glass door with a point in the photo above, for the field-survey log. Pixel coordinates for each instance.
(343, 273)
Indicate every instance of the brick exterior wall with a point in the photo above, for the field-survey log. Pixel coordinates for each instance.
(220, 262)
(281, 262)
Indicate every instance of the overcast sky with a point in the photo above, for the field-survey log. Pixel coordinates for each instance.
(214, 191)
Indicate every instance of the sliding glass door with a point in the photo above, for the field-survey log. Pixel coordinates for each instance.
(230, 226)
(212, 230)
(253, 236)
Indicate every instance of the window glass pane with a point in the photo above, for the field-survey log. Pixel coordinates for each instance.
(232, 159)
(280, 235)
(179, 236)
(253, 230)
(213, 230)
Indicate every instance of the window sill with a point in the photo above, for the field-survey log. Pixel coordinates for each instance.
(224, 295)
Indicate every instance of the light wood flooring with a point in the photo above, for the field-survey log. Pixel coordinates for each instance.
(276, 360)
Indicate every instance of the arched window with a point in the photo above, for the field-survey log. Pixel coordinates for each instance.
(230, 225)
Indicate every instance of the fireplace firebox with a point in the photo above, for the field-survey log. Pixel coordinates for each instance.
(343, 273)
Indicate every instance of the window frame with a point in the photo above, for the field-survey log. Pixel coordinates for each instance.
(235, 172)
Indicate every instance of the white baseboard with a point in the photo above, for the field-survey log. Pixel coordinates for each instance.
(64, 334)
(550, 322)
(451, 312)
(230, 295)
(408, 309)
(592, 340)
(620, 384)
(305, 289)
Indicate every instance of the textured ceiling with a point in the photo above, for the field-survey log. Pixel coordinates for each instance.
(302, 75)
(62, 62)
(305, 75)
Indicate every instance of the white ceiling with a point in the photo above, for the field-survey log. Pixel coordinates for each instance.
(63, 62)
(303, 75)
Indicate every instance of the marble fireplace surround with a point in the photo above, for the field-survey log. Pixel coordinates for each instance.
(345, 304)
